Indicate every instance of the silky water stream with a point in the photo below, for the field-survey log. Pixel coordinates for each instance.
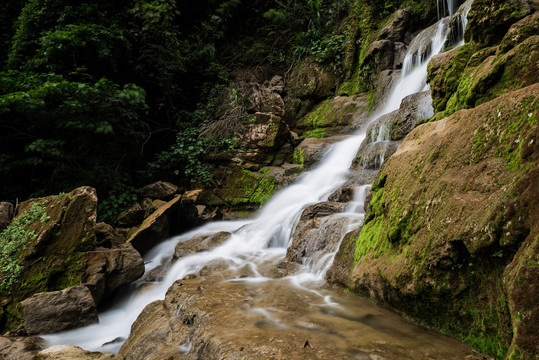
(270, 312)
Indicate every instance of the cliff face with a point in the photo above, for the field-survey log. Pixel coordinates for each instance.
(451, 231)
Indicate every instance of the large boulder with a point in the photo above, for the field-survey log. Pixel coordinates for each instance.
(6, 214)
(489, 20)
(45, 243)
(473, 74)
(317, 233)
(105, 270)
(309, 80)
(46, 313)
(132, 216)
(339, 115)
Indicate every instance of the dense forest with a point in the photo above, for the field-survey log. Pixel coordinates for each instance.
(116, 94)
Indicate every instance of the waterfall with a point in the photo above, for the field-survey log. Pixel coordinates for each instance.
(445, 8)
(268, 235)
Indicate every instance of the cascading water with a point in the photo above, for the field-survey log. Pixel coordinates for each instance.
(266, 237)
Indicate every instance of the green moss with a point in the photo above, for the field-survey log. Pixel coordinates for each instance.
(316, 133)
(298, 157)
(13, 244)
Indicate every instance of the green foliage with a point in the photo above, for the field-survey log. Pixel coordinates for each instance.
(184, 158)
(116, 200)
(63, 134)
(15, 239)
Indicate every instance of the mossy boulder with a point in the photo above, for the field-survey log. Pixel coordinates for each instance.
(308, 79)
(473, 74)
(42, 248)
(240, 190)
(489, 20)
(449, 211)
(334, 116)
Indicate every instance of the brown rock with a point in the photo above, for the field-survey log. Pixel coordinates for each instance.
(107, 237)
(342, 195)
(131, 216)
(70, 352)
(105, 270)
(159, 190)
(55, 311)
(309, 80)
(169, 219)
(200, 243)
(20, 348)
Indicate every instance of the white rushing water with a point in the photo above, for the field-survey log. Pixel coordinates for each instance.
(268, 235)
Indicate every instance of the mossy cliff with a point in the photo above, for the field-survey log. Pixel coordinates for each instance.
(451, 232)
(451, 235)
(483, 68)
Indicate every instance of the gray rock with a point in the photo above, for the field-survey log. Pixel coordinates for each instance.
(342, 195)
(315, 237)
(55, 311)
(373, 155)
(322, 209)
(159, 190)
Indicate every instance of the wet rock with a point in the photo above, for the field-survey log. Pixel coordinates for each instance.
(396, 124)
(322, 209)
(20, 348)
(6, 214)
(200, 243)
(373, 155)
(421, 46)
(342, 195)
(206, 318)
(105, 270)
(69, 352)
(159, 190)
(315, 236)
(131, 216)
(55, 311)
(311, 150)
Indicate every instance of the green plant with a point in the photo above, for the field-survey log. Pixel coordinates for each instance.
(117, 199)
(15, 239)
